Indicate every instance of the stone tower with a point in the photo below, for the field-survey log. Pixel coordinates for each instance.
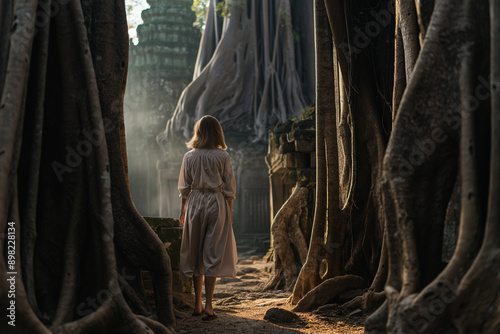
(160, 66)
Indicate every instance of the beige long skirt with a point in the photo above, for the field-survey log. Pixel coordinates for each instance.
(208, 245)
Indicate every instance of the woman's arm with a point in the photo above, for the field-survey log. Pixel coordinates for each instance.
(229, 184)
(230, 202)
(183, 210)
(184, 186)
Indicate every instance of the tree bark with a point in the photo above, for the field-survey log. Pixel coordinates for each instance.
(290, 244)
(424, 297)
(352, 101)
(64, 193)
(434, 165)
(309, 274)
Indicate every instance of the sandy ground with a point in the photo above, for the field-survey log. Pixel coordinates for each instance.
(241, 305)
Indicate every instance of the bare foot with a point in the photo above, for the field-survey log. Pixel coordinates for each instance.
(209, 310)
(198, 309)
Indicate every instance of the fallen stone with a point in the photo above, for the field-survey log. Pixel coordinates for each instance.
(245, 262)
(277, 314)
(255, 258)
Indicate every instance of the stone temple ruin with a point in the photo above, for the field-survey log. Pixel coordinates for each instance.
(291, 157)
(161, 65)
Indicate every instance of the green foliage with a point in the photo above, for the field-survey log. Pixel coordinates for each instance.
(286, 19)
(222, 7)
(200, 8)
(225, 6)
(307, 112)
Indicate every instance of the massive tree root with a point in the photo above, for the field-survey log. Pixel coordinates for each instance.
(64, 193)
(436, 162)
(290, 230)
(254, 69)
(463, 297)
(348, 168)
(329, 290)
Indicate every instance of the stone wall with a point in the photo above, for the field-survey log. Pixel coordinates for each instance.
(291, 157)
(169, 231)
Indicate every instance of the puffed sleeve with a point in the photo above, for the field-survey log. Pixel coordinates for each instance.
(229, 186)
(185, 180)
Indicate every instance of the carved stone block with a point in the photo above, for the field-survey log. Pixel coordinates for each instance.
(304, 145)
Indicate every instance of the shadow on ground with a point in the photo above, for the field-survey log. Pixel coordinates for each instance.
(229, 323)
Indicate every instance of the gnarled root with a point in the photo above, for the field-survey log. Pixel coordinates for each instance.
(289, 239)
(329, 290)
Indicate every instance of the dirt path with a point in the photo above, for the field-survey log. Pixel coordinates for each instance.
(241, 305)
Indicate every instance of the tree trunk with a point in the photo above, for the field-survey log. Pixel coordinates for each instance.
(352, 110)
(251, 74)
(290, 229)
(309, 275)
(63, 170)
(439, 157)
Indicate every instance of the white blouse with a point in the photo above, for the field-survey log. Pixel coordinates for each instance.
(207, 170)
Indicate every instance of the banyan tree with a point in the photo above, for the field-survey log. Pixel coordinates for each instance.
(254, 69)
(407, 191)
(72, 242)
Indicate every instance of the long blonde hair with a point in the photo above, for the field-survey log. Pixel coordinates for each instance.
(207, 134)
